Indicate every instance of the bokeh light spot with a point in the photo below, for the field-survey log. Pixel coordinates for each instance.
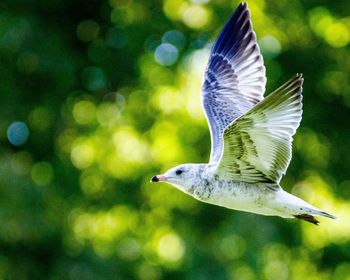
(198, 61)
(40, 118)
(84, 112)
(173, 8)
(335, 82)
(243, 272)
(93, 78)
(101, 226)
(175, 38)
(276, 270)
(116, 38)
(92, 182)
(196, 16)
(17, 133)
(270, 46)
(13, 32)
(231, 247)
(82, 155)
(129, 249)
(166, 54)
(42, 173)
(166, 147)
(21, 163)
(320, 19)
(107, 114)
(170, 247)
(130, 147)
(147, 271)
(337, 35)
(88, 30)
(168, 99)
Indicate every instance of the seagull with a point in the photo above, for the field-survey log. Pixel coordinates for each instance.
(251, 136)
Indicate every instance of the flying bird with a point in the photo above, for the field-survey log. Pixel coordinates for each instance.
(251, 136)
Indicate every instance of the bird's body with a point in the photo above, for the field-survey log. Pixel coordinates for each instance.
(251, 136)
(208, 187)
(260, 198)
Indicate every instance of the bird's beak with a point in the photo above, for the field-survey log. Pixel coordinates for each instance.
(158, 178)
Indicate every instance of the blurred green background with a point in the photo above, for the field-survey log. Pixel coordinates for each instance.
(98, 96)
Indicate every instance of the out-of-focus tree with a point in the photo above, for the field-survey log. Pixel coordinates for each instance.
(97, 96)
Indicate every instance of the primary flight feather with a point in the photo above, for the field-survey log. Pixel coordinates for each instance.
(251, 137)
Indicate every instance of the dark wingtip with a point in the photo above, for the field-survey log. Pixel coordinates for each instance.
(241, 8)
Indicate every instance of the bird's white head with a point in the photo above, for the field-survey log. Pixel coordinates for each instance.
(183, 177)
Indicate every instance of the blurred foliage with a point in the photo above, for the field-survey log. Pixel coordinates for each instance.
(98, 96)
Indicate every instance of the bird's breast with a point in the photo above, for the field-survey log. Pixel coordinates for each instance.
(233, 194)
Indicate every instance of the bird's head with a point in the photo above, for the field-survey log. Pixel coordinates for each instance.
(183, 177)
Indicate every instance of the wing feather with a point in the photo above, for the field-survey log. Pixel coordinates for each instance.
(258, 145)
(235, 77)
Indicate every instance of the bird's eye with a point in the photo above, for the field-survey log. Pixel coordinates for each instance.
(178, 172)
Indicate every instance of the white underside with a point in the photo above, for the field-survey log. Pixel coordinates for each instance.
(269, 203)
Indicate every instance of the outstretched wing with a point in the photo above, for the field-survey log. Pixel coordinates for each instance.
(258, 145)
(235, 77)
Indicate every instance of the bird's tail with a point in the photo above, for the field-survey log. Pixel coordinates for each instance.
(302, 210)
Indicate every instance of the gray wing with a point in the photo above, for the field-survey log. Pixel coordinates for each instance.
(258, 145)
(235, 77)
